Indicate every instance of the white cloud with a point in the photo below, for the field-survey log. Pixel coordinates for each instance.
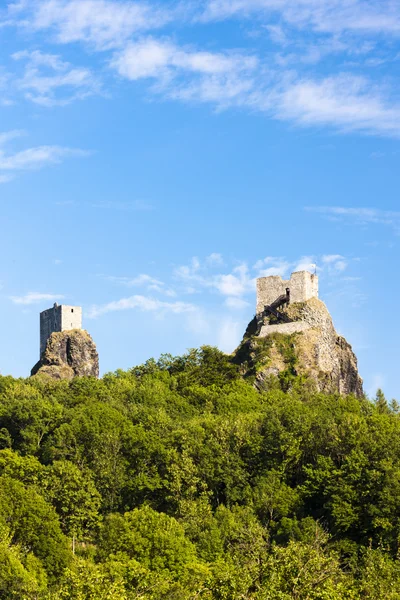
(35, 297)
(361, 216)
(10, 135)
(346, 101)
(236, 303)
(155, 58)
(142, 280)
(235, 284)
(37, 158)
(281, 85)
(136, 205)
(141, 303)
(103, 24)
(306, 263)
(331, 258)
(271, 265)
(190, 273)
(50, 81)
(181, 73)
(215, 260)
(239, 284)
(6, 178)
(230, 333)
(31, 158)
(327, 16)
(335, 261)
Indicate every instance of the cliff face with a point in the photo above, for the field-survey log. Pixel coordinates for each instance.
(67, 355)
(307, 346)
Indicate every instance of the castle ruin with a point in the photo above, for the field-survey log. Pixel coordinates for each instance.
(56, 319)
(292, 335)
(274, 295)
(302, 285)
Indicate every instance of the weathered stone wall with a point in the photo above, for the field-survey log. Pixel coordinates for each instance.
(57, 319)
(302, 284)
(286, 328)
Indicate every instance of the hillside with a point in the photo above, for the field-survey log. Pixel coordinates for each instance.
(180, 480)
(305, 346)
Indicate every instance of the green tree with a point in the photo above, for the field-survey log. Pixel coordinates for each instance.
(34, 525)
(155, 540)
(74, 496)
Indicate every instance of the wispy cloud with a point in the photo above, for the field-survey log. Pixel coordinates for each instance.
(346, 101)
(141, 303)
(136, 205)
(31, 158)
(335, 261)
(239, 283)
(154, 58)
(234, 284)
(37, 158)
(35, 298)
(360, 216)
(189, 75)
(235, 79)
(103, 24)
(50, 81)
(328, 16)
(215, 260)
(271, 265)
(236, 303)
(229, 333)
(143, 281)
(306, 263)
(7, 136)
(284, 85)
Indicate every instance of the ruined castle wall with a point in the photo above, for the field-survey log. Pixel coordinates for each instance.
(71, 317)
(302, 284)
(285, 328)
(50, 321)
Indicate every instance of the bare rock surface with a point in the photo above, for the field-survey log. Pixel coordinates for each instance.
(68, 354)
(307, 346)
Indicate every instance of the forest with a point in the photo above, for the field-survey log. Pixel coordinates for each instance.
(178, 480)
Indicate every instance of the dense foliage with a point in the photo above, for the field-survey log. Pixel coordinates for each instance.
(178, 480)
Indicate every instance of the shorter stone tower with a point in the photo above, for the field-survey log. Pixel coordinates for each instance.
(302, 285)
(57, 319)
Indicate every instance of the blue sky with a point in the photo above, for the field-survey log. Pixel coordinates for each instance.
(155, 158)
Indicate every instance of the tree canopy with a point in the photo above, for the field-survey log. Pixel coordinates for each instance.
(178, 480)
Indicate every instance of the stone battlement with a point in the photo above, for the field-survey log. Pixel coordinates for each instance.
(302, 284)
(56, 319)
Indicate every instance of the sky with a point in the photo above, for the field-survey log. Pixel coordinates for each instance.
(157, 157)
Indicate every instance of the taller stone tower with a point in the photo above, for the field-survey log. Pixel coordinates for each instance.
(57, 319)
(66, 350)
(302, 285)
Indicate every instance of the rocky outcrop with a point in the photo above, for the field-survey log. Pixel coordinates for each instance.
(306, 348)
(68, 354)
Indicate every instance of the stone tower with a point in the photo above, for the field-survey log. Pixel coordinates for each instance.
(302, 285)
(57, 319)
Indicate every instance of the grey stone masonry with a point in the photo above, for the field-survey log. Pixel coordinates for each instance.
(58, 318)
(286, 328)
(302, 284)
